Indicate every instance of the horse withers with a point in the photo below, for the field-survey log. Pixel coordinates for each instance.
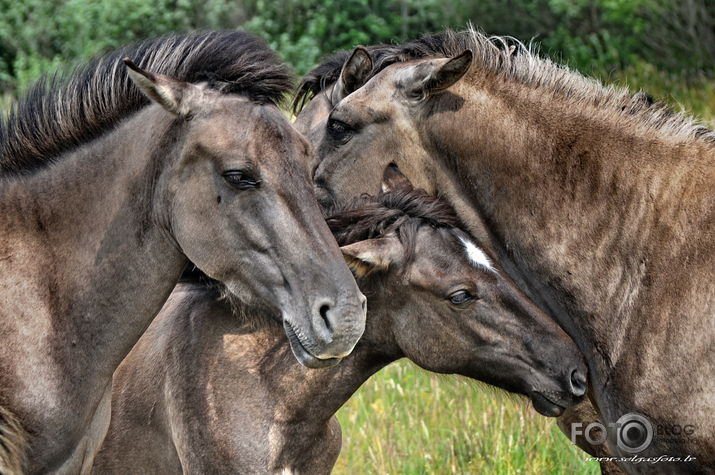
(103, 199)
(209, 388)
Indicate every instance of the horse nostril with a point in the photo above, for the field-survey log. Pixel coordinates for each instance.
(324, 309)
(578, 383)
(318, 181)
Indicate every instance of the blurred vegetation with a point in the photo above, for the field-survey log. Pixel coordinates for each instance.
(407, 421)
(675, 37)
(666, 47)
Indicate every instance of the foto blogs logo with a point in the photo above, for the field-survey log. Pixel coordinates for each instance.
(632, 432)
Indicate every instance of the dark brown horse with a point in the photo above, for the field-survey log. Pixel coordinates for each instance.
(204, 391)
(104, 197)
(598, 201)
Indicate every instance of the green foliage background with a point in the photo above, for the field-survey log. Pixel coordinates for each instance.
(405, 420)
(675, 37)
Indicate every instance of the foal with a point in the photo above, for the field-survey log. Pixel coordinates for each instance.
(205, 392)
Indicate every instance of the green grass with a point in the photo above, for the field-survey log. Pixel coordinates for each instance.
(407, 421)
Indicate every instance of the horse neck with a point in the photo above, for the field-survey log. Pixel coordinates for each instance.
(318, 394)
(87, 221)
(257, 368)
(578, 203)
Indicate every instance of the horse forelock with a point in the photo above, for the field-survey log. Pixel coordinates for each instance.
(402, 212)
(507, 59)
(59, 113)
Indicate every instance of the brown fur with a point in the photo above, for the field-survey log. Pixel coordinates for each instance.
(13, 444)
(203, 392)
(597, 200)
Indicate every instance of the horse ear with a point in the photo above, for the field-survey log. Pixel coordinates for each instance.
(370, 255)
(355, 71)
(393, 180)
(173, 95)
(447, 73)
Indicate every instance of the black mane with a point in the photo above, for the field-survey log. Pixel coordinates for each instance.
(401, 212)
(494, 55)
(441, 44)
(383, 55)
(60, 113)
(328, 72)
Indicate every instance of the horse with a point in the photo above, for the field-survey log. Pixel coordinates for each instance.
(209, 388)
(598, 202)
(105, 197)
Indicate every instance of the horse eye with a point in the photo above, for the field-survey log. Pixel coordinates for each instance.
(417, 95)
(241, 180)
(460, 297)
(339, 130)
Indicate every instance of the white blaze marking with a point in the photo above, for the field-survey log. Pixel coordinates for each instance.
(476, 255)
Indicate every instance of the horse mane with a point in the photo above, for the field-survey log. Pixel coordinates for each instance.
(14, 441)
(401, 212)
(493, 56)
(61, 112)
(319, 78)
(327, 73)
